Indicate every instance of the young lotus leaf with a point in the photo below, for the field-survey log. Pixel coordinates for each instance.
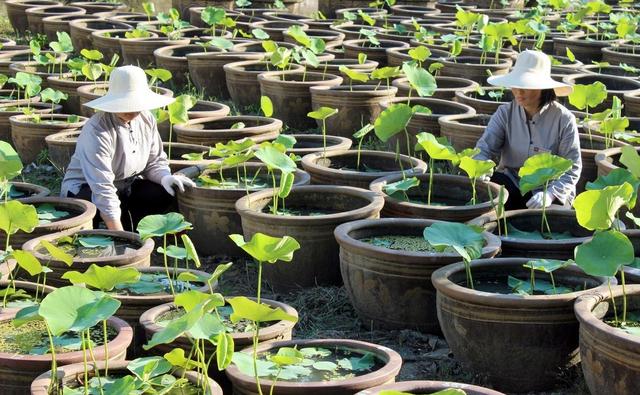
(162, 224)
(75, 308)
(192, 254)
(299, 35)
(175, 328)
(287, 141)
(104, 278)
(596, 209)
(213, 15)
(221, 42)
(92, 71)
(434, 148)
(274, 159)
(392, 120)
(245, 364)
(57, 253)
(353, 74)
(547, 265)
(323, 113)
(420, 53)
(190, 300)
(420, 79)
(465, 240)
(539, 169)
(207, 327)
(617, 177)
(605, 253)
(588, 96)
(287, 356)
(266, 105)
(247, 309)
(163, 75)
(177, 358)
(173, 251)
(260, 35)
(27, 261)
(95, 241)
(476, 168)
(15, 216)
(224, 350)
(386, 73)
(265, 248)
(178, 110)
(401, 186)
(631, 160)
(188, 277)
(64, 43)
(92, 54)
(53, 96)
(10, 164)
(219, 271)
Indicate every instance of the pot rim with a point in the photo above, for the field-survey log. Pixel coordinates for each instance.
(311, 161)
(270, 76)
(412, 385)
(430, 100)
(88, 211)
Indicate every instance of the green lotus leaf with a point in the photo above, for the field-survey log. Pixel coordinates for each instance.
(605, 253)
(464, 239)
(539, 169)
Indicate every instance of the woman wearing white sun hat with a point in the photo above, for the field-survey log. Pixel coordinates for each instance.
(534, 122)
(119, 163)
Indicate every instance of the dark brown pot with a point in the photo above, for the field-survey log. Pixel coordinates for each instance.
(611, 70)
(16, 12)
(463, 131)
(423, 122)
(330, 37)
(7, 110)
(333, 67)
(242, 80)
(429, 387)
(202, 109)
(609, 355)
(617, 55)
(69, 375)
(289, 92)
(94, 7)
(66, 84)
(560, 220)
(41, 71)
(483, 104)
(470, 67)
(60, 23)
(311, 143)
(317, 261)
(391, 289)
(80, 30)
(351, 31)
(60, 147)
(212, 210)
(174, 59)
(352, 48)
(501, 335)
(276, 29)
(584, 48)
(446, 90)
(108, 42)
(19, 371)
(590, 146)
(36, 14)
(329, 7)
(139, 257)
(29, 190)
(82, 213)
(10, 57)
(357, 106)
(207, 70)
(454, 191)
(246, 385)
(209, 131)
(29, 137)
(339, 167)
(279, 330)
(616, 86)
(139, 51)
(632, 104)
(175, 151)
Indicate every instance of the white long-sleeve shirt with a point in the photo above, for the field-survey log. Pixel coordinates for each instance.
(110, 154)
(512, 138)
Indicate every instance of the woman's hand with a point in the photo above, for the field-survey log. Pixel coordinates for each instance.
(179, 180)
(540, 199)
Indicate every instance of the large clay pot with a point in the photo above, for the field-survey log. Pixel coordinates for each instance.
(51, 25)
(29, 136)
(42, 71)
(16, 12)
(463, 131)
(36, 14)
(209, 131)
(378, 53)
(276, 29)
(616, 86)
(391, 288)
(481, 103)
(586, 49)
(590, 146)
(202, 109)
(311, 143)
(450, 196)
(429, 387)
(174, 59)
(66, 84)
(289, 92)
(60, 147)
(212, 210)
(317, 261)
(472, 68)
(499, 334)
(80, 30)
(139, 51)
(7, 110)
(446, 87)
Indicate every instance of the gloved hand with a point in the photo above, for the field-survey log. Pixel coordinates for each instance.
(540, 199)
(179, 180)
(485, 178)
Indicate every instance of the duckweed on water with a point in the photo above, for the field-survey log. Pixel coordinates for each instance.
(32, 339)
(400, 243)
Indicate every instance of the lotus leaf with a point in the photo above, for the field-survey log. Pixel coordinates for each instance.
(539, 169)
(605, 253)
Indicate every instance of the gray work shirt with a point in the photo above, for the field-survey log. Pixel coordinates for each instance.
(110, 154)
(512, 138)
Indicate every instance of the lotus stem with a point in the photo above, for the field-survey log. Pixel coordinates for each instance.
(93, 359)
(275, 380)
(613, 301)
(256, 332)
(166, 264)
(53, 383)
(406, 135)
(430, 180)
(545, 223)
(84, 363)
(553, 283)
(106, 348)
(495, 210)
(473, 190)
(624, 296)
(532, 279)
(467, 268)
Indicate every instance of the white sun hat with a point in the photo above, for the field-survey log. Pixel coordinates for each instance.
(129, 92)
(532, 71)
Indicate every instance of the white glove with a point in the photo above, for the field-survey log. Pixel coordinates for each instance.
(485, 178)
(540, 199)
(179, 180)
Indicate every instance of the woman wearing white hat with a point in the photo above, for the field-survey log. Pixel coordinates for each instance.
(534, 122)
(119, 163)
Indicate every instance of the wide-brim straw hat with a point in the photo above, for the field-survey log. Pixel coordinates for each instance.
(129, 92)
(532, 71)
